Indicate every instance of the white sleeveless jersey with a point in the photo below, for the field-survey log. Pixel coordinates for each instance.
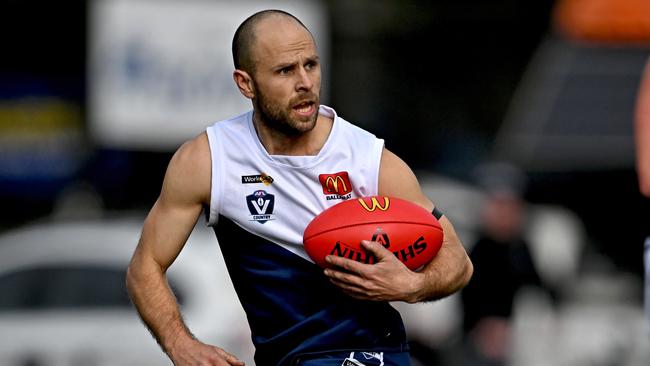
(260, 205)
(294, 189)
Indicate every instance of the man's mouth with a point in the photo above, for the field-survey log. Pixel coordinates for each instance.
(305, 108)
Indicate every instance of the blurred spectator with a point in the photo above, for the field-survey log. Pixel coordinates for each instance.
(642, 135)
(502, 265)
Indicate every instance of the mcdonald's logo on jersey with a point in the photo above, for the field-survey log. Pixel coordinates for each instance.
(336, 186)
(375, 204)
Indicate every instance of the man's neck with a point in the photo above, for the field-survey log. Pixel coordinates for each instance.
(309, 143)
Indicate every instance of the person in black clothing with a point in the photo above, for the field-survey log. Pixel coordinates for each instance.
(502, 265)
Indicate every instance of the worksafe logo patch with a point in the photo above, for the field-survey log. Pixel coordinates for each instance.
(260, 204)
(257, 178)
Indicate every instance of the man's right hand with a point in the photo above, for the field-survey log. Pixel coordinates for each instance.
(193, 352)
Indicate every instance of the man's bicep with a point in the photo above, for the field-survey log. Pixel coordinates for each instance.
(172, 218)
(396, 179)
(165, 232)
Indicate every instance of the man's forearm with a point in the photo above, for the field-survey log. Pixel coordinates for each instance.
(157, 306)
(447, 273)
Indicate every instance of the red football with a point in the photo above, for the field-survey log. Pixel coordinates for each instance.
(404, 228)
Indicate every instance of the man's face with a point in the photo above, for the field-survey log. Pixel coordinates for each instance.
(287, 76)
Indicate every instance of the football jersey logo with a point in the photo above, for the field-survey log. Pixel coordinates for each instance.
(336, 186)
(260, 204)
(258, 178)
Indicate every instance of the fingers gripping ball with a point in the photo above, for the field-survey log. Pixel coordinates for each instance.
(410, 232)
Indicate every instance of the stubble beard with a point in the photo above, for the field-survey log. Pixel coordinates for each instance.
(278, 118)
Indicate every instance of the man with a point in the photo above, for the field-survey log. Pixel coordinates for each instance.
(642, 132)
(642, 137)
(262, 177)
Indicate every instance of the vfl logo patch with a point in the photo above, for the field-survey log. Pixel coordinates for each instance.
(375, 204)
(259, 178)
(336, 186)
(260, 204)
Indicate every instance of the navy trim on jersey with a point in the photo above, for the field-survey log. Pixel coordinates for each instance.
(293, 309)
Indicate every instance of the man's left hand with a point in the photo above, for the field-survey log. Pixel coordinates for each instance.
(386, 280)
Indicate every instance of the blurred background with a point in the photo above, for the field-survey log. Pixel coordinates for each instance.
(509, 109)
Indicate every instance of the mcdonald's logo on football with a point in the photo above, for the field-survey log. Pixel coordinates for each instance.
(337, 183)
(375, 204)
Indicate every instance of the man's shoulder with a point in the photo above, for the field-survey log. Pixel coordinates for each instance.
(196, 144)
(187, 179)
(344, 125)
(194, 152)
(353, 130)
(240, 119)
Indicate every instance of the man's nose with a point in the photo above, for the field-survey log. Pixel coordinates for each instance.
(304, 81)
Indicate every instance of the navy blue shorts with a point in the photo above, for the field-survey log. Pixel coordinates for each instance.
(358, 359)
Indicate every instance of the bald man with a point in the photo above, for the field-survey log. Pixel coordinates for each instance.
(261, 177)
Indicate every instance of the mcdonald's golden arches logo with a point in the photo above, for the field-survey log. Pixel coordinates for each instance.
(337, 183)
(375, 204)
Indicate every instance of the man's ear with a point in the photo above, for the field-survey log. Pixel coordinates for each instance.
(244, 83)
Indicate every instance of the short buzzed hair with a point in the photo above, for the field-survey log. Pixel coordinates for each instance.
(244, 38)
